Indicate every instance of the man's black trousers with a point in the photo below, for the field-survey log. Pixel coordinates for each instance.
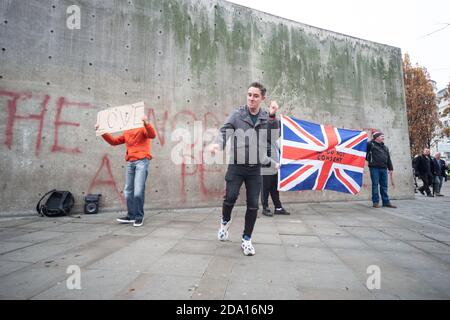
(235, 177)
(427, 180)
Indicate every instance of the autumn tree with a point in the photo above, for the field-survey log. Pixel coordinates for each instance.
(421, 106)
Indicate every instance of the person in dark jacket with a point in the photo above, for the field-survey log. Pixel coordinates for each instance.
(423, 168)
(246, 129)
(270, 178)
(380, 162)
(438, 170)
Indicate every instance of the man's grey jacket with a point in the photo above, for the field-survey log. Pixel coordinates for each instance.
(248, 141)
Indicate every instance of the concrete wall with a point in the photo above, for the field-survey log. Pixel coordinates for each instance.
(189, 61)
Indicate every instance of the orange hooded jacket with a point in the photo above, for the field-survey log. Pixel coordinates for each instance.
(137, 141)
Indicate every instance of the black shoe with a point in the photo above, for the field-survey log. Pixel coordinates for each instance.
(389, 205)
(281, 211)
(139, 222)
(267, 212)
(125, 219)
(430, 195)
(421, 191)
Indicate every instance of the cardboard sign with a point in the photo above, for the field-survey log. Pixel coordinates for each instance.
(120, 118)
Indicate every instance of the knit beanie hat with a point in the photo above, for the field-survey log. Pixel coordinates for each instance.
(376, 134)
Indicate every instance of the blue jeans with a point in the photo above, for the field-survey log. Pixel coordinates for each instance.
(437, 183)
(137, 172)
(379, 177)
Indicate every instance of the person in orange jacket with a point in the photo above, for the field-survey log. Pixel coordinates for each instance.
(138, 156)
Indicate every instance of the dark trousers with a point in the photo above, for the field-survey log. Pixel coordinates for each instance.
(235, 177)
(269, 186)
(426, 179)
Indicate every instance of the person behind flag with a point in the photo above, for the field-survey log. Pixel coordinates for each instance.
(138, 158)
(380, 162)
(270, 181)
(246, 128)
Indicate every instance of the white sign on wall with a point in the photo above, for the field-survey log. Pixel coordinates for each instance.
(120, 118)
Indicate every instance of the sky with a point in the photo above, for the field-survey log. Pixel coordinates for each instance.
(411, 25)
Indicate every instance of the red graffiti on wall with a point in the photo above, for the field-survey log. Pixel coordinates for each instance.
(60, 104)
(200, 170)
(162, 121)
(106, 164)
(13, 116)
(160, 129)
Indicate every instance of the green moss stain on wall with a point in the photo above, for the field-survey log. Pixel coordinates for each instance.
(318, 69)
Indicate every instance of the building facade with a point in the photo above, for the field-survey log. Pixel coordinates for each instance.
(442, 144)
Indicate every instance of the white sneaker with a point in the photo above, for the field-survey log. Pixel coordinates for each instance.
(222, 235)
(248, 248)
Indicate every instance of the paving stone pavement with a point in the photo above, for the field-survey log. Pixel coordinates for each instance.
(320, 251)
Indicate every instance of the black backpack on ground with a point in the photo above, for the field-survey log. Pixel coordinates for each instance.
(59, 203)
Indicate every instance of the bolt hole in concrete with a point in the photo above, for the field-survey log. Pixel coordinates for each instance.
(48, 83)
(6, 21)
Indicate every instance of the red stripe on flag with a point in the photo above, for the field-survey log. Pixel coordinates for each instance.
(323, 177)
(294, 153)
(354, 143)
(331, 136)
(352, 160)
(295, 176)
(316, 141)
(344, 181)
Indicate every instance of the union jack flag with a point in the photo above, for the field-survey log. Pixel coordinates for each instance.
(318, 157)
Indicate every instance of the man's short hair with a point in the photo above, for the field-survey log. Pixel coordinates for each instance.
(259, 86)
